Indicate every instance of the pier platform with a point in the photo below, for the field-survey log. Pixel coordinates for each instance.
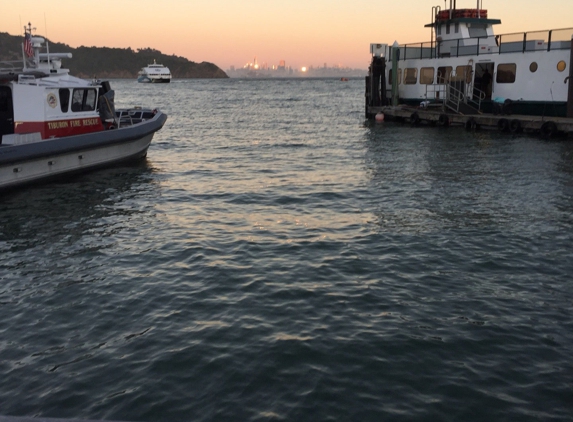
(547, 127)
(41, 419)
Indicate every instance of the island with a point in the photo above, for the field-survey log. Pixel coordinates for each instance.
(113, 63)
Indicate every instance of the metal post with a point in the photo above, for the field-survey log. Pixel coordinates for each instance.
(395, 58)
(570, 91)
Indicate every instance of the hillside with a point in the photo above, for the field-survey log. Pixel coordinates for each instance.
(104, 62)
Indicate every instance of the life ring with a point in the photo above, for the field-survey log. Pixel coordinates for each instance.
(415, 118)
(548, 130)
(515, 126)
(503, 125)
(444, 120)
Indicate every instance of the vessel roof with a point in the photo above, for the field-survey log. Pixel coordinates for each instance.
(482, 21)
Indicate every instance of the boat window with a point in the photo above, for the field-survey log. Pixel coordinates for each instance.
(464, 73)
(439, 30)
(506, 73)
(447, 28)
(561, 66)
(457, 27)
(410, 75)
(478, 31)
(427, 75)
(533, 67)
(83, 99)
(444, 73)
(90, 102)
(77, 99)
(64, 99)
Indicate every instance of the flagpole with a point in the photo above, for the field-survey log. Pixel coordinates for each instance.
(23, 52)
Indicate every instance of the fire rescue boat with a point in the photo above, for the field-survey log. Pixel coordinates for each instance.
(53, 124)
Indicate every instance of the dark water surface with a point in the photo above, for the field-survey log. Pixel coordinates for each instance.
(278, 258)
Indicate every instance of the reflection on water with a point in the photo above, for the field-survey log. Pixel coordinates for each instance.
(432, 178)
(277, 257)
(61, 221)
(74, 201)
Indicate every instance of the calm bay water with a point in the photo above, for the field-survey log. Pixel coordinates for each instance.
(276, 257)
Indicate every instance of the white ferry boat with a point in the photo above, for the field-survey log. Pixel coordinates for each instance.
(52, 123)
(154, 73)
(468, 69)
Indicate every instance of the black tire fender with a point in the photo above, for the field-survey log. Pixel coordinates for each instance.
(503, 125)
(471, 124)
(444, 120)
(515, 126)
(548, 130)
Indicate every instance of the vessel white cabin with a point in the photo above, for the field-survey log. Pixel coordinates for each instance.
(154, 73)
(468, 63)
(44, 101)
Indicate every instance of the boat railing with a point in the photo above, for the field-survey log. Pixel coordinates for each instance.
(461, 95)
(520, 42)
(455, 95)
(124, 116)
(10, 66)
(132, 116)
(436, 92)
(476, 97)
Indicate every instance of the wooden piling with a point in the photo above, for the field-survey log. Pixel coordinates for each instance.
(570, 81)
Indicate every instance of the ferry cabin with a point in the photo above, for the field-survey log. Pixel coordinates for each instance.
(530, 69)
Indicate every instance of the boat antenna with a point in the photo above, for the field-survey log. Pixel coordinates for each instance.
(47, 43)
(23, 54)
(46, 25)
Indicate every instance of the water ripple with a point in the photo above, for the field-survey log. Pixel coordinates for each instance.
(278, 258)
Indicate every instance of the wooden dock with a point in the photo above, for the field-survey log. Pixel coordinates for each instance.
(41, 419)
(547, 127)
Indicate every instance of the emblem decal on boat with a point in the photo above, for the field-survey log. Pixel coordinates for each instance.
(52, 100)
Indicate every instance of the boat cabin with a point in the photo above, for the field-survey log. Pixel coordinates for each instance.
(42, 101)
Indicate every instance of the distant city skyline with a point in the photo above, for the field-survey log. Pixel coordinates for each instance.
(282, 64)
(282, 69)
(227, 32)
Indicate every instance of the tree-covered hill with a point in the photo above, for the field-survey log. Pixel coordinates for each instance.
(104, 62)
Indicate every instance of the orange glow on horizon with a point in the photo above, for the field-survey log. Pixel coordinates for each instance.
(227, 32)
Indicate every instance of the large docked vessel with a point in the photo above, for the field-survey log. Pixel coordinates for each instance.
(52, 123)
(154, 73)
(468, 69)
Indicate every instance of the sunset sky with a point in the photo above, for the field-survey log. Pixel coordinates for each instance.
(233, 32)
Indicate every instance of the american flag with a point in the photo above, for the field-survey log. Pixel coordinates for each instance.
(28, 46)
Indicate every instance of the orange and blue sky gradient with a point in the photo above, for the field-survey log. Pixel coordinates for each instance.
(233, 32)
